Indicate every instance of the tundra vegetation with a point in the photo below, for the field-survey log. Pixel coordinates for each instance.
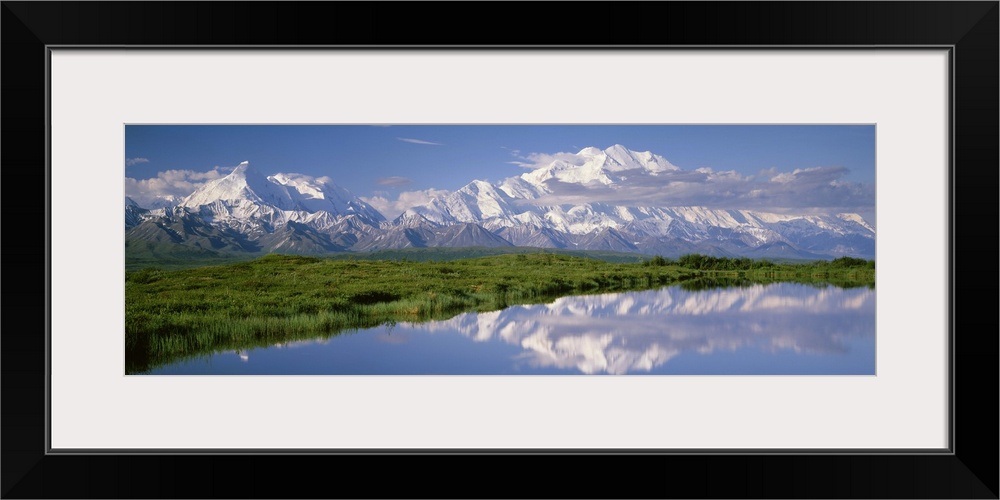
(176, 314)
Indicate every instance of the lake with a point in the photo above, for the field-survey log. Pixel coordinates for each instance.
(775, 329)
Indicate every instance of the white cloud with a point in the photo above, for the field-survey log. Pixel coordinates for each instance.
(168, 187)
(808, 190)
(419, 141)
(135, 161)
(407, 199)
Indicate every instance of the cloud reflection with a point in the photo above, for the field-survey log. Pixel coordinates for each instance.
(639, 331)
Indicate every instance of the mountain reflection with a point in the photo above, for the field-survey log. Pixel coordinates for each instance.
(638, 331)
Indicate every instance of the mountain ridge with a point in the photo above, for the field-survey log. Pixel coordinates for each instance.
(297, 213)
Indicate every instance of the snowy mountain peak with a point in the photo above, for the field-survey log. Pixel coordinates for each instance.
(595, 166)
(856, 219)
(245, 170)
(617, 149)
(243, 167)
(623, 158)
(243, 183)
(479, 188)
(246, 194)
(315, 194)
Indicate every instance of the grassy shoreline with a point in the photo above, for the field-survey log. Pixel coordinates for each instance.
(171, 315)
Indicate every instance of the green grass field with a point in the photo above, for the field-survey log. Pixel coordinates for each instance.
(171, 315)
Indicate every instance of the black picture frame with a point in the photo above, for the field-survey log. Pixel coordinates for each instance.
(968, 470)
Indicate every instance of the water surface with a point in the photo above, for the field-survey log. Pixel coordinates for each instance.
(783, 328)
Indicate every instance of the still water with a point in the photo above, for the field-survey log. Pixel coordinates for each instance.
(782, 328)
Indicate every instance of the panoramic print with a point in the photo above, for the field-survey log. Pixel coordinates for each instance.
(499, 249)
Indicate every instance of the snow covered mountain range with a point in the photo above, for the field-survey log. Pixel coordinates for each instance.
(293, 213)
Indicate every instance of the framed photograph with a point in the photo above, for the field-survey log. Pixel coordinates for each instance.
(818, 139)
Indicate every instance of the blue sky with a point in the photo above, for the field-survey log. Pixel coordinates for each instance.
(392, 166)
